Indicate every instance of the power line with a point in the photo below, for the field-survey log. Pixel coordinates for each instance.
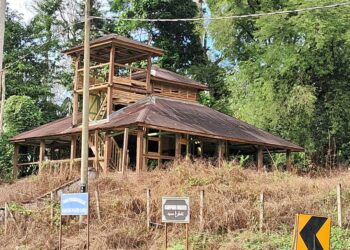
(330, 6)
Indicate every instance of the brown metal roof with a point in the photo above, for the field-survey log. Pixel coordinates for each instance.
(159, 74)
(174, 115)
(118, 41)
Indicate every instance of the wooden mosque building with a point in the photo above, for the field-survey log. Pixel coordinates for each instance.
(141, 117)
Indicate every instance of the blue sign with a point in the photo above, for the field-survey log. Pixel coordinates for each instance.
(75, 204)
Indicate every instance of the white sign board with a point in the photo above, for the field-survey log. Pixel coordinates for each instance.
(175, 209)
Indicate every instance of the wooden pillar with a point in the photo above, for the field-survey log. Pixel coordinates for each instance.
(41, 154)
(160, 148)
(97, 150)
(220, 152)
(125, 151)
(73, 151)
(260, 158)
(110, 82)
(187, 147)
(107, 153)
(148, 75)
(75, 94)
(288, 158)
(139, 150)
(15, 161)
(177, 146)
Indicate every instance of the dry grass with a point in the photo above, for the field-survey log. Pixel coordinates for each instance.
(231, 204)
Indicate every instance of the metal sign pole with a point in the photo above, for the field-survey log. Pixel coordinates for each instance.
(88, 226)
(60, 234)
(166, 236)
(187, 236)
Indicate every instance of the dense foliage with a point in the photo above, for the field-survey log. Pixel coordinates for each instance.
(290, 73)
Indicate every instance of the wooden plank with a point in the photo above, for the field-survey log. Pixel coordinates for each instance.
(110, 81)
(178, 146)
(139, 150)
(95, 66)
(15, 161)
(93, 88)
(125, 151)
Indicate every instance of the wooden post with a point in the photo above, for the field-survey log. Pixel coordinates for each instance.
(97, 160)
(260, 158)
(261, 217)
(340, 222)
(73, 152)
(139, 150)
(107, 150)
(15, 161)
(148, 75)
(110, 82)
(125, 151)
(6, 215)
(75, 93)
(98, 205)
(220, 153)
(52, 207)
(288, 158)
(148, 207)
(201, 210)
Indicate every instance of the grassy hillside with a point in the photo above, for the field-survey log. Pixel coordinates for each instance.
(231, 209)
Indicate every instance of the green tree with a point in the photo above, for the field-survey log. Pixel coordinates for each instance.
(21, 114)
(180, 40)
(289, 73)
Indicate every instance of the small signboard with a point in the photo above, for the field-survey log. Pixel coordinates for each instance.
(75, 204)
(312, 232)
(175, 209)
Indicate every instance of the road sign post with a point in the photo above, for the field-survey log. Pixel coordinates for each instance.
(312, 232)
(176, 210)
(76, 204)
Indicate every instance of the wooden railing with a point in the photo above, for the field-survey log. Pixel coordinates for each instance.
(124, 75)
(116, 155)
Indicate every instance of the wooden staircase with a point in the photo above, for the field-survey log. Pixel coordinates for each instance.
(96, 144)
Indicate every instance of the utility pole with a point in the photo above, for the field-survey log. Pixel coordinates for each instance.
(2, 72)
(85, 127)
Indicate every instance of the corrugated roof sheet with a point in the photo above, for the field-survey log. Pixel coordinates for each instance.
(174, 115)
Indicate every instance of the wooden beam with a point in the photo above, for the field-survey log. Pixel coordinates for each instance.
(125, 151)
(188, 147)
(148, 75)
(107, 153)
(289, 160)
(15, 161)
(41, 154)
(110, 81)
(260, 158)
(73, 152)
(139, 150)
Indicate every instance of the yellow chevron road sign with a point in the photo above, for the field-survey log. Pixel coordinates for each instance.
(312, 232)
